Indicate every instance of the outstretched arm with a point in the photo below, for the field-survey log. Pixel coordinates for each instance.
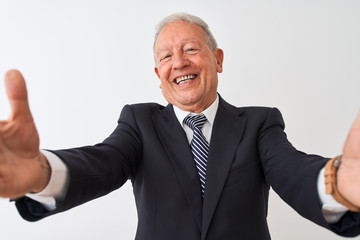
(23, 168)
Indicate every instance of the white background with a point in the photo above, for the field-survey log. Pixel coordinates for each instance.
(83, 60)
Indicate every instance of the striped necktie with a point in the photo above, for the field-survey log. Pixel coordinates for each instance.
(199, 146)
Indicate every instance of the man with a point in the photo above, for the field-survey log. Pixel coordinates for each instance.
(181, 192)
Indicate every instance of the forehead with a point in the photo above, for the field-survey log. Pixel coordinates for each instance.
(179, 32)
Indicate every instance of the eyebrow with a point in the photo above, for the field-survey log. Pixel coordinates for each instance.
(184, 41)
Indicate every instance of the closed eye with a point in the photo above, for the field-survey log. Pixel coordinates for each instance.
(192, 50)
(165, 58)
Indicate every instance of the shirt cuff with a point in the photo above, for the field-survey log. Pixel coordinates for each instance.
(331, 209)
(57, 186)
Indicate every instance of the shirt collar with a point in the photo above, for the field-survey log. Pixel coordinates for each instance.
(209, 113)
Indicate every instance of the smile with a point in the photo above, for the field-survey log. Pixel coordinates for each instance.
(184, 79)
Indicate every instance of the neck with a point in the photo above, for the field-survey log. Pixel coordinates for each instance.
(196, 108)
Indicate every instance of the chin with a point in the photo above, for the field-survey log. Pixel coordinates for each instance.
(189, 101)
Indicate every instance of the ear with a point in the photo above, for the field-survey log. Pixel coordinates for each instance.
(157, 72)
(219, 55)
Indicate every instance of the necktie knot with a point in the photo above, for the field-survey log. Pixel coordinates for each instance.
(195, 121)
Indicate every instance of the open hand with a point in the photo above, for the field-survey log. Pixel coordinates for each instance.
(23, 168)
(348, 176)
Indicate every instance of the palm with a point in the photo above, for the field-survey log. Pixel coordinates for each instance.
(349, 171)
(20, 170)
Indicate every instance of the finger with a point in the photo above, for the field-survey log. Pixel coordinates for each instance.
(17, 94)
(352, 144)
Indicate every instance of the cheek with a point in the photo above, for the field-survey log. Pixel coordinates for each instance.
(164, 72)
(164, 82)
(165, 87)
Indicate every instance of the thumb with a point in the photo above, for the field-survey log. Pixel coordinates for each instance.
(17, 94)
(352, 144)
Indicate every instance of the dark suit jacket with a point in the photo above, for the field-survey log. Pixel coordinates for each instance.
(249, 152)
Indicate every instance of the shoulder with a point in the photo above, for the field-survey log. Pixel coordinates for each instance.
(143, 108)
(249, 111)
(254, 114)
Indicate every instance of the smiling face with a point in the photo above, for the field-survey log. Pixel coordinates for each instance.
(187, 67)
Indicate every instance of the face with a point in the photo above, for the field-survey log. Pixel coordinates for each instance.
(187, 67)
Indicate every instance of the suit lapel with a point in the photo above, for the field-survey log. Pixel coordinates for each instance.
(226, 135)
(175, 143)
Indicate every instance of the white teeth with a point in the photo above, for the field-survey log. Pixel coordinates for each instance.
(183, 79)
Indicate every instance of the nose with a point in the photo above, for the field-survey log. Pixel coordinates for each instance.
(180, 61)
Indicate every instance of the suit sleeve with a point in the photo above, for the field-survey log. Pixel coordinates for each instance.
(94, 171)
(293, 176)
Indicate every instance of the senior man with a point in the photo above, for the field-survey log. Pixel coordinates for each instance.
(200, 167)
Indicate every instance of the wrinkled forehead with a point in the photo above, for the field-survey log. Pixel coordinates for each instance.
(179, 31)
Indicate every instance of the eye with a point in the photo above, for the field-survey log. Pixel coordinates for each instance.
(191, 50)
(164, 58)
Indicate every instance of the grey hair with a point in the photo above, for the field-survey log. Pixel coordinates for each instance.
(189, 19)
